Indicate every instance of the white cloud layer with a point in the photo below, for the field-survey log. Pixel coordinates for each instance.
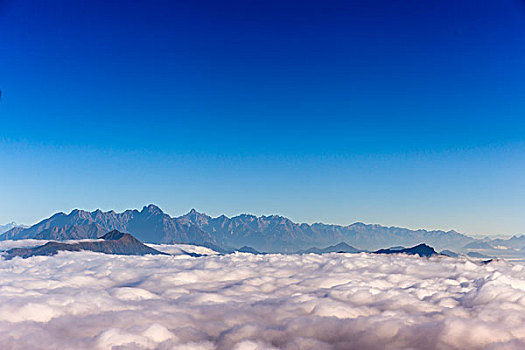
(241, 301)
(181, 248)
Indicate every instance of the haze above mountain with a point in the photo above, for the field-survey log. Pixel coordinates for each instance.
(264, 233)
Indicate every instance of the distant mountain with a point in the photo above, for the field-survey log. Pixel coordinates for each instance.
(148, 225)
(10, 226)
(515, 242)
(478, 245)
(246, 249)
(113, 242)
(272, 234)
(421, 250)
(338, 248)
(449, 253)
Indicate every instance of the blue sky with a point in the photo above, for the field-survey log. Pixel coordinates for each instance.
(401, 113)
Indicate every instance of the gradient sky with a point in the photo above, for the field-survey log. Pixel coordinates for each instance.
(407, 113)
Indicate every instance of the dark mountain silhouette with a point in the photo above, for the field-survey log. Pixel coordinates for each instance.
(397, 248)
(421, 250)
(113, 242)
(246, 249)
(273, 234)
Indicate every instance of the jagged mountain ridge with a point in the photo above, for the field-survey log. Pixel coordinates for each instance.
(148, 225)
(264, 233)
(268, 233)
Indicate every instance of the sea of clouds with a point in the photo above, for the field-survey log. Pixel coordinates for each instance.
(84, 300)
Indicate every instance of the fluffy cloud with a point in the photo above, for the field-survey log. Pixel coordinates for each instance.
(242, 301)
(181, 248)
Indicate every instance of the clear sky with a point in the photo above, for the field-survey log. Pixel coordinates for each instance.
(407, 113)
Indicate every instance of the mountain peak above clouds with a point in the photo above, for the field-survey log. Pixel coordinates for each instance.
(113, 242)
(423, 250)
(268, 233)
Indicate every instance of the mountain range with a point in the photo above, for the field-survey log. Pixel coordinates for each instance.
(263, 233)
